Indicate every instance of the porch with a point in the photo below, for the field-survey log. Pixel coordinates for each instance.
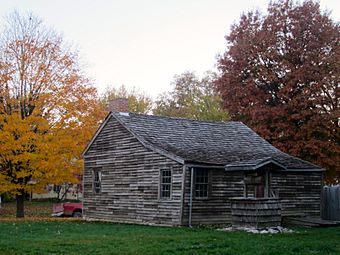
(256, 212)
(260, 205)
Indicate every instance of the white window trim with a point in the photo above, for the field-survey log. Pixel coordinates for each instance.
(99, 171)
(208, 185)
(160, 184)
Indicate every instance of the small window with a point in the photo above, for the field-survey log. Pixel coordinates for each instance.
(56, 188)
(97, 181)
(165, 187)
(201, 183)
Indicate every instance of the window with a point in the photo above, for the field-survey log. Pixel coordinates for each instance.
(97, 181)
(56, 188)
(165, 187)
(201, 183)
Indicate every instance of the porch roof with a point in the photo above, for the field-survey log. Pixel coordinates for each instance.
(254, 164)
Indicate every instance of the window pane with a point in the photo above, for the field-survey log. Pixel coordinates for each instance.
(165, 185)
(201, 183)
(97, 181)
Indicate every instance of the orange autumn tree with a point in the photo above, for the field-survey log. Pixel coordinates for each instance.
(48, 110)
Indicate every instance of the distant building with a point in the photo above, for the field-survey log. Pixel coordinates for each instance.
(64, 192)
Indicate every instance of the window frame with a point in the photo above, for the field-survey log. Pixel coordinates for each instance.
(161, 184)
(207, 184)
(95, 188)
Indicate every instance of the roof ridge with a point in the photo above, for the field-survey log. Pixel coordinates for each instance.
(182, 118)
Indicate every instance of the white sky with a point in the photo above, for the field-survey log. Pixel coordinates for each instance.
(144, 43)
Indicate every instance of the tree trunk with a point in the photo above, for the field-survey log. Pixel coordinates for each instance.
(20, 205)
(64, 196)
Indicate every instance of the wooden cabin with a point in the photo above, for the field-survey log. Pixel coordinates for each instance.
(170, 171)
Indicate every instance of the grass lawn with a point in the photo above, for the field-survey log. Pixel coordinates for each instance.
(77, 237)
(41, 234)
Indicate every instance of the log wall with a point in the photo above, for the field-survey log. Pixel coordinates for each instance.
(130, 180)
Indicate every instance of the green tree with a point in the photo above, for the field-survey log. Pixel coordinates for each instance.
(280, 75)
(138, 101)
(192, 98)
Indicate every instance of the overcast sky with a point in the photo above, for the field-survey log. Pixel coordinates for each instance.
(144, 43)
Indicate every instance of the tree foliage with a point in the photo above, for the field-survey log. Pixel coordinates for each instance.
(48, 111)
(280, 75)
(192, 98)
(138, 102)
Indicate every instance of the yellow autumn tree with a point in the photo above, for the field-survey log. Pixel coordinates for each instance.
(48, 110)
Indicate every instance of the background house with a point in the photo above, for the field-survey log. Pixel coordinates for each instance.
(67, 191)
(160, 170)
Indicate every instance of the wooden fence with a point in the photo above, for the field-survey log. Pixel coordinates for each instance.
(330, 206)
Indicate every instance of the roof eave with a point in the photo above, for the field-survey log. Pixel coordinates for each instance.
(203, 165)
(303, 170)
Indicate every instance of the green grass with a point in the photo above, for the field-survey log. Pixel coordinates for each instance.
(77, 237)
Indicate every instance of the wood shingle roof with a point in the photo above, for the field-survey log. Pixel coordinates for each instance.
(229, 143)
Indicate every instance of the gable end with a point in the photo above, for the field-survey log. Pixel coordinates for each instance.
(141, 140)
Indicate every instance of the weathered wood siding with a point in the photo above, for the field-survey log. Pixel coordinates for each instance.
(256, 212)
(299, 192)
(130, 180)
(216, 209)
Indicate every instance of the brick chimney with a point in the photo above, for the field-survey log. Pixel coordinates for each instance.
(119, 105)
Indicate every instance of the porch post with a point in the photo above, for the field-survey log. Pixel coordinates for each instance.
(245, 188)
(266, 188)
